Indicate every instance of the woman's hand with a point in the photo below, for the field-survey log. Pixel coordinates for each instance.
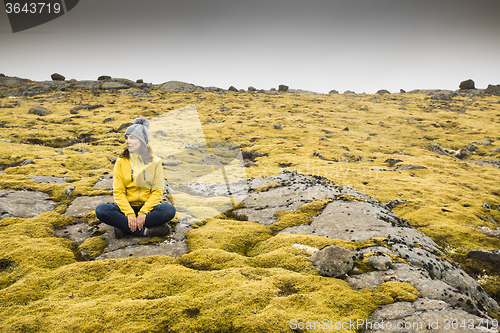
(132, 223)
(141, 220)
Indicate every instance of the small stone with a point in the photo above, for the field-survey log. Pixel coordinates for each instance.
(346, 129)
(278, 126)
(485, 205)
(251, 88)
(333, 261)
(112, 159)
(383, 92)
(233, 89)
(103, 78)
(59, 151)
(402, 91)
(345, 148)
(39, 111)
(27, 161)
(333, 92)
(323, 138)
(463, 153)
(139, 81)
(69, 190)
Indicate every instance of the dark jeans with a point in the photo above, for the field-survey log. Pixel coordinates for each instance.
(112, 215)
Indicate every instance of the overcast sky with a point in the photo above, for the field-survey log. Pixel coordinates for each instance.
(318, 45)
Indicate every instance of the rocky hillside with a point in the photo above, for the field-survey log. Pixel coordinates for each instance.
(380, 210)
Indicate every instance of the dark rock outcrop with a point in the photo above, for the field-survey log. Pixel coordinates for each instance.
(57, 77)
(467, 84)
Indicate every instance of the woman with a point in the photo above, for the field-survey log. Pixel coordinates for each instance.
(137, 189)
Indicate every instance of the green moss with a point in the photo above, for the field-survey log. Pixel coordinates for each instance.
(301, 216)
(211, 259)
(267, 187)
(92, 247)
(228, 235)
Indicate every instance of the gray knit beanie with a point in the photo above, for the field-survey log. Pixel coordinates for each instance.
(140, 129)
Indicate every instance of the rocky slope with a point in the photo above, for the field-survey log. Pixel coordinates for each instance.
(303, 247)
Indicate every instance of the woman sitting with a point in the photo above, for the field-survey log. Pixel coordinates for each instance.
(137, 189)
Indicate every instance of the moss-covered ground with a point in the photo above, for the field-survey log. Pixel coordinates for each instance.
(240, 276)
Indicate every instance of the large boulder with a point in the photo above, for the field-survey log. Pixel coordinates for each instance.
(57, 77)
(467, 84)
(493, 89)
(104, 78)
(333, 261)
(283, 88)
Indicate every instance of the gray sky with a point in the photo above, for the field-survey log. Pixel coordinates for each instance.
(318, 45)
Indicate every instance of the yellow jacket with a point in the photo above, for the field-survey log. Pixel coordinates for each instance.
(127, 193)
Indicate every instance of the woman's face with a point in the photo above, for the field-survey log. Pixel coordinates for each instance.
(133, 144)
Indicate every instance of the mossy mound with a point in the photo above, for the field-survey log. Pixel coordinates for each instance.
(162, 296)
(92, 247)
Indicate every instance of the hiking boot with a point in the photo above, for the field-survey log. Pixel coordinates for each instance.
(119, 233)
(157, 230)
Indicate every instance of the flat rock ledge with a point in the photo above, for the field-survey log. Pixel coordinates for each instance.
(447, 292)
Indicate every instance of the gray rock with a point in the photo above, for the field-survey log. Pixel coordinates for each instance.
(383, 92)
(467, 84)
(83, 205)
(491, 89)
(403, 167)
(173, 249)
(380, 262)
(86, 85)
(250, 88)
(104, 78)
(24, 204)
(322, 138)
(105, 182)
(57, 77)
(210, 160)
(114, 85)
(233, 89)
(333, 261)
(48, 179)
(282, 88)
(12, 82)
(178, 86)
(69, 190)
(27, 161)
(39, 111)
(490, 256)
(333, 92)
(278, 126)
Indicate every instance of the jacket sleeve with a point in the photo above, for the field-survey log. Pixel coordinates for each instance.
(119, 189)
(157, 193)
